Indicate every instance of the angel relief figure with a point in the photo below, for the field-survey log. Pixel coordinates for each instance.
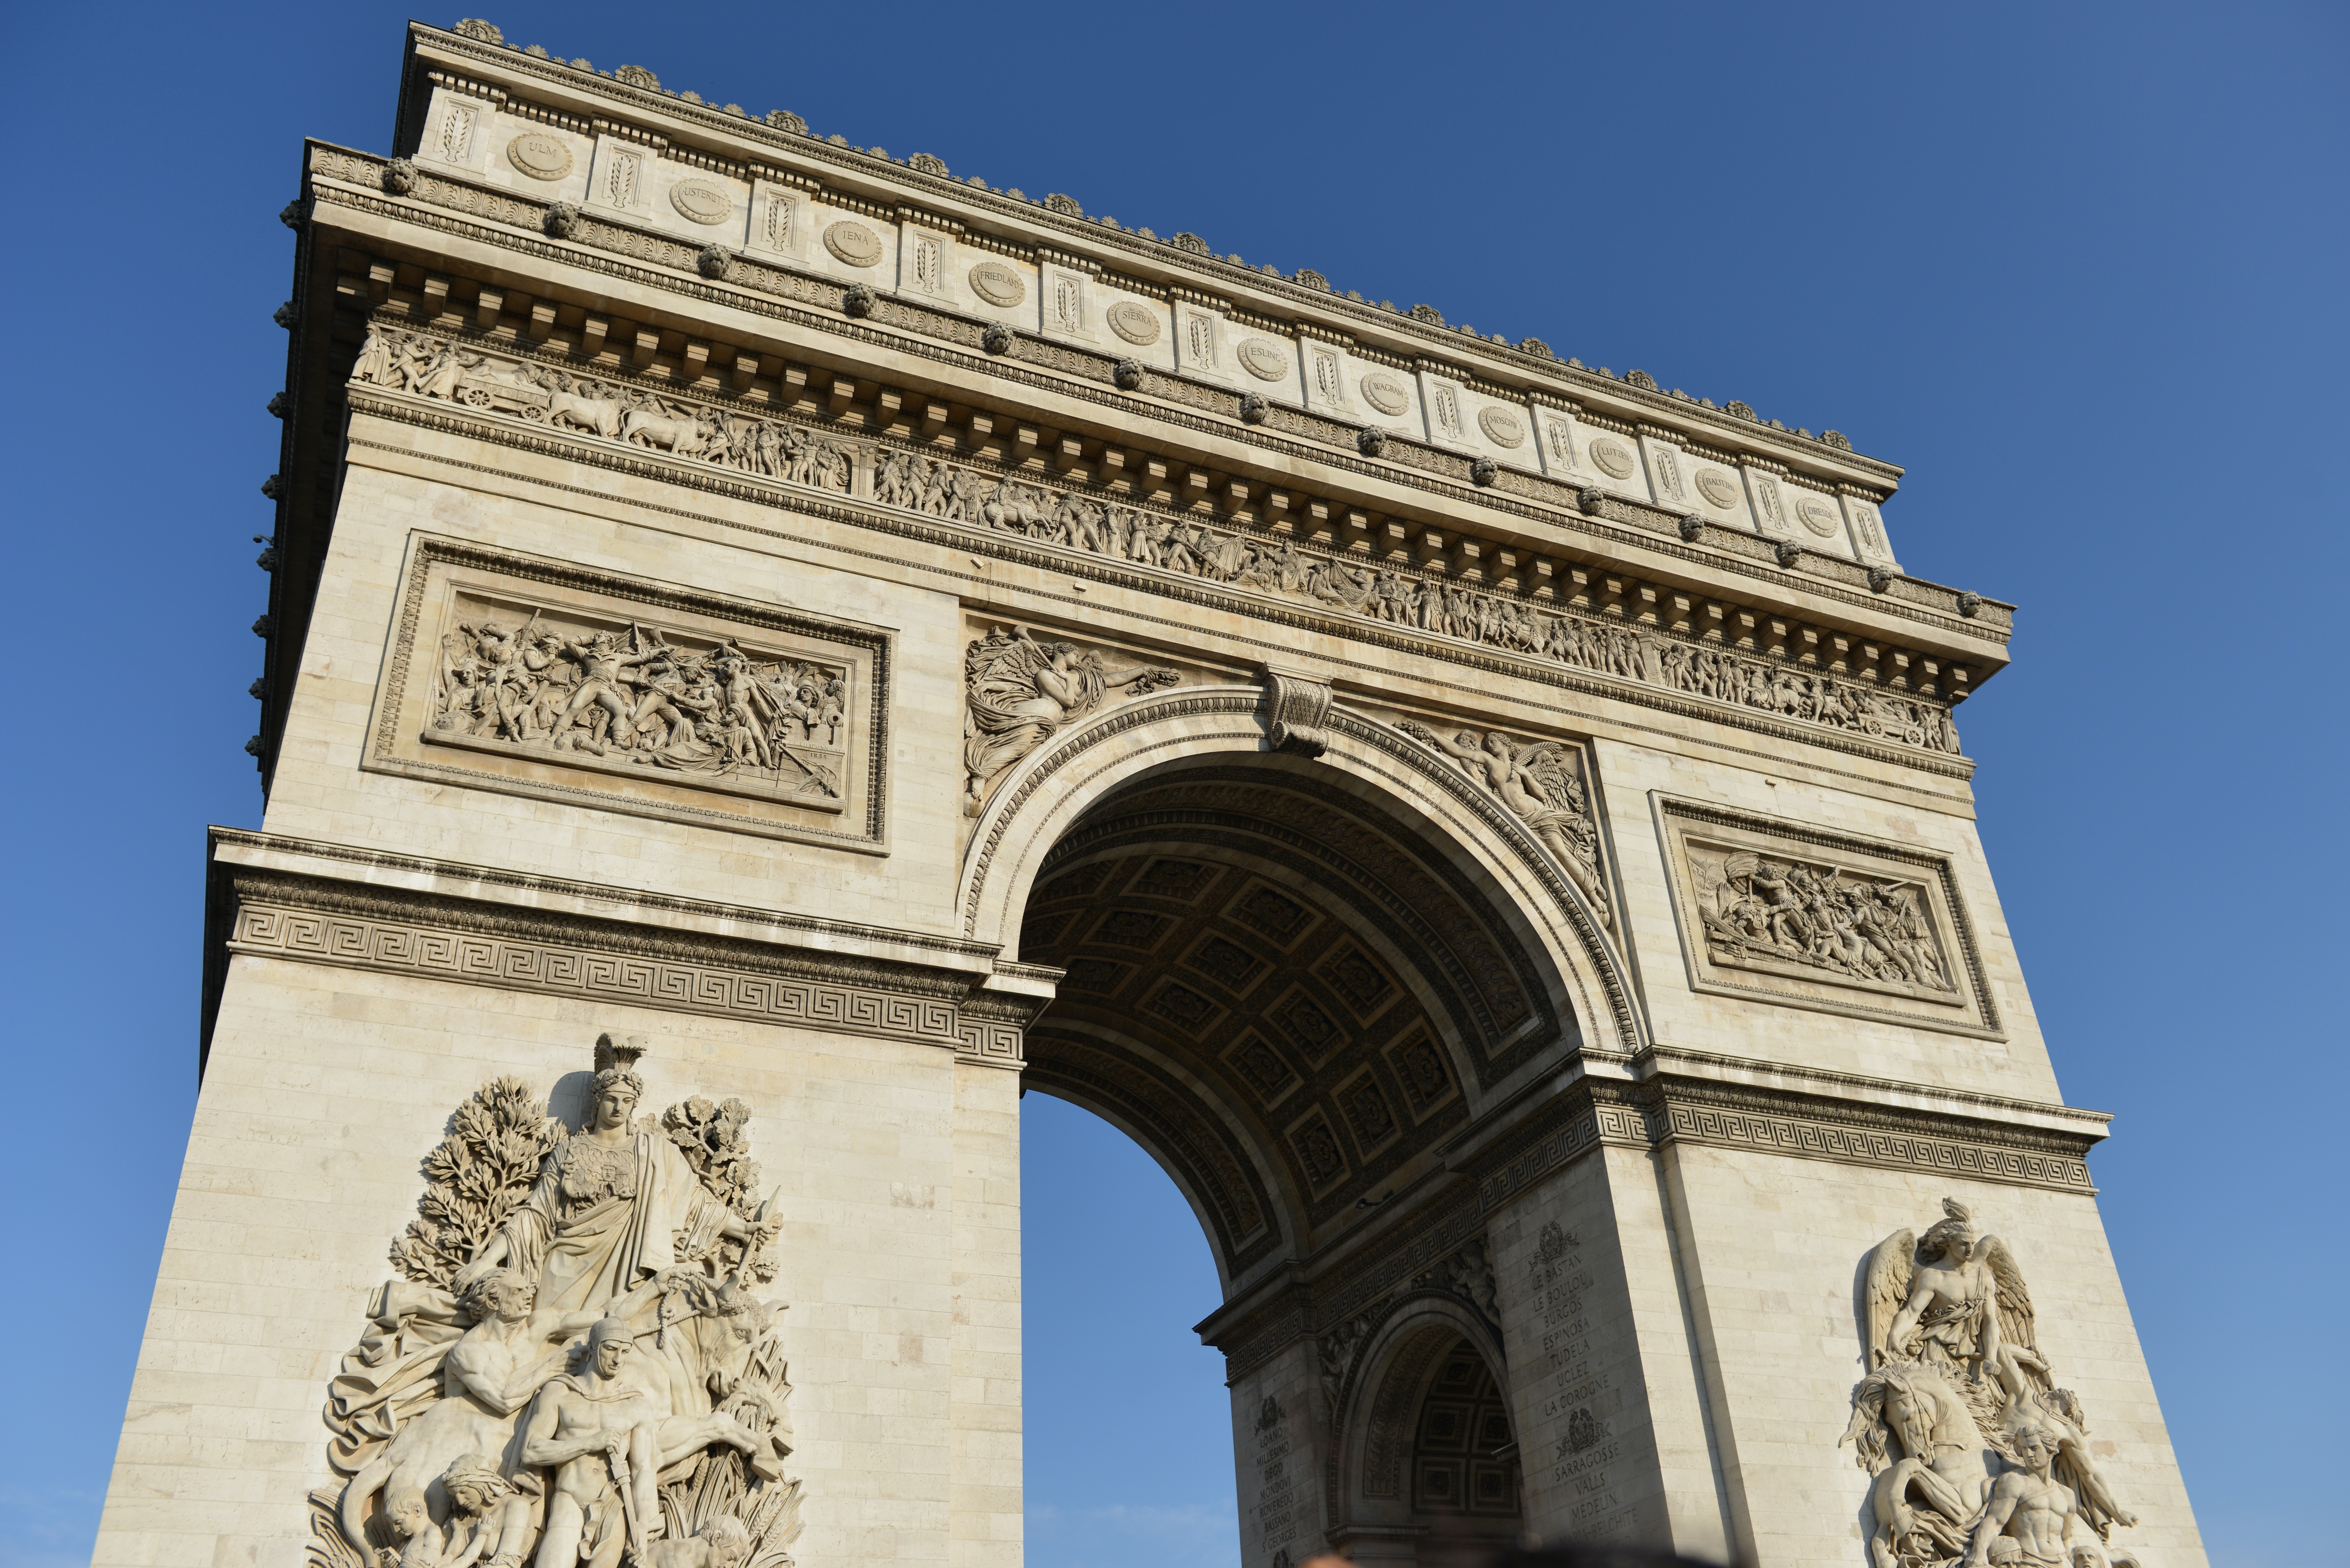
(1959, 1403)
(1537, 783)
(573, 1367)
(1018, 692)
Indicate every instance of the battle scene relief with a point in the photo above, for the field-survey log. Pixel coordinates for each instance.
(1825, 920)
(1796, 916)
(636, 694)
(535, 677)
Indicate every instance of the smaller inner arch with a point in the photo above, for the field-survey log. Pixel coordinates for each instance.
(1464, 1462)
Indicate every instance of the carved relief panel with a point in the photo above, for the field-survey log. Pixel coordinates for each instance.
(622, 181)
(535, 678)
(458, 128)
(1785, 912)
(779, 219)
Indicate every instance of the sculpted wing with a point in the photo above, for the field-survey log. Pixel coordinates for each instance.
(1543, 761)
(2016, 1317)
(1891, 1269)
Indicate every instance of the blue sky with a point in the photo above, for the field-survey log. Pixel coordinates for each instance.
(2078, 267)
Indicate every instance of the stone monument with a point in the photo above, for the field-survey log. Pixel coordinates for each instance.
(775, 649)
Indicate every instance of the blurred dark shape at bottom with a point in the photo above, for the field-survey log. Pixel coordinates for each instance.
(1594, 1555)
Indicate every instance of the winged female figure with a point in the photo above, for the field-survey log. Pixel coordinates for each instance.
(1018, 692)
(1952, 1356)
(1535, 783)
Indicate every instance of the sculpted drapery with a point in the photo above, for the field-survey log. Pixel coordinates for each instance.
(601, 1219)
(573, 1349)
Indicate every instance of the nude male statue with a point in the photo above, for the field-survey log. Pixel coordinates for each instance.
(2032, 1520)
(598, 1435)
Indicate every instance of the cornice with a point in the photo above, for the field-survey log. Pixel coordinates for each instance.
(895, 180)
(1073, 602)
(326, 861)
(268, 913)
(755, 284)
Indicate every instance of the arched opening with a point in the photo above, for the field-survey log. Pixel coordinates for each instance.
(1293, 983)
(1465, 1481)
(1285, 987)
(1127, 1440)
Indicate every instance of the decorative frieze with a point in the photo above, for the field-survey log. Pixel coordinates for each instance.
(1133, 529)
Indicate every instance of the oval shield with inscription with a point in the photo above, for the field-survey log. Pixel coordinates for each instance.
(540, 156)
(1717, 487)
(1138, 324)
(1817, 515)
(1501, 426)
(1262, 359)
(1385, 393)
(998, 285)
(1614, 458)
(853, 242)
(700, 201)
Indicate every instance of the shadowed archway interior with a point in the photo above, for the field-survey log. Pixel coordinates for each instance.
(1290, 992)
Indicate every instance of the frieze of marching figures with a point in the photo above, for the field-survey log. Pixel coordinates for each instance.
(596, 692)
(1976, 1457)
(571, 1362)
(449, 370)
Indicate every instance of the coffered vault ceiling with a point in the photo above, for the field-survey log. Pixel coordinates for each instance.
(1283, 989)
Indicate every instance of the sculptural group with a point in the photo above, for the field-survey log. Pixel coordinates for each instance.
(1978, 1457)
(571, 1367)
(637, 695)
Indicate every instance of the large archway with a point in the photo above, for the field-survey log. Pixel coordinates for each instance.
(1296, 980)
(1284, 988)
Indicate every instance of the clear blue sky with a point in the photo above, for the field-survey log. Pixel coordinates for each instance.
(2080, 268)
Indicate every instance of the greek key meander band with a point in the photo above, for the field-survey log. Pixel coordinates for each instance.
(1261, 1334)
(399, 947)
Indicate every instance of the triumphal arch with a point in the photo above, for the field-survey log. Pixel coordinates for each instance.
(775, 649)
